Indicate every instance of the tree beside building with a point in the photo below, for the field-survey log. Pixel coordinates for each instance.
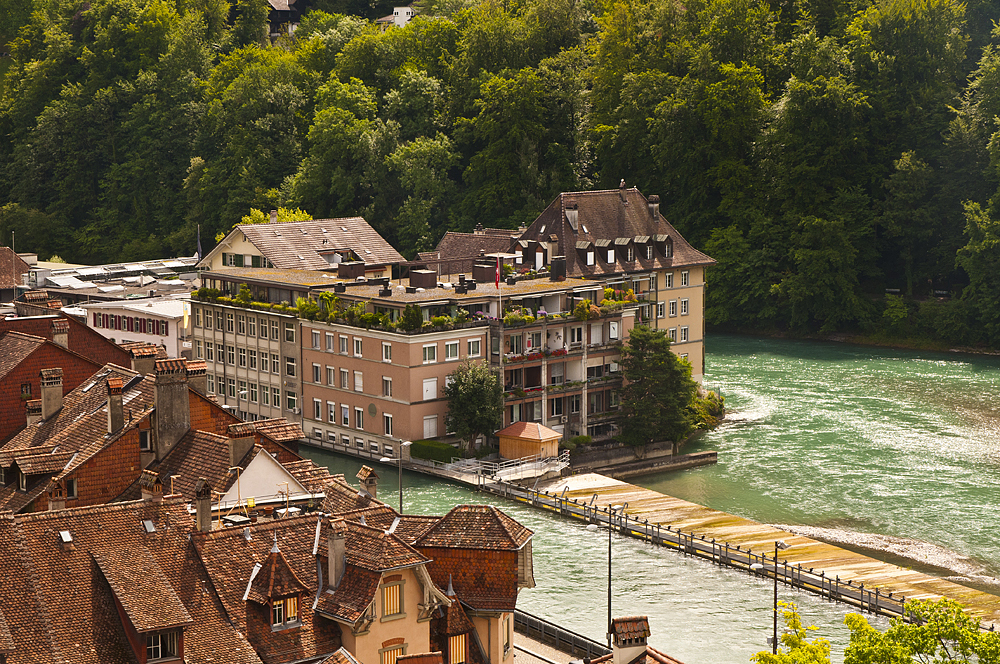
(475, 401)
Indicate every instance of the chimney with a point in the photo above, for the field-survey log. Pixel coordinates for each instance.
(203, 505)
(336, 552)
(241, 440)
(143, 359)
(479, 230)
(557, 269)
(151, 486)
(369, 481)
(274, 216)
(52, 391)
(572, 214)
(173, 409)
(197, 376)
(629, 638)
(621, 191)
(33, 411)
(116, 409)
(60, 332)
(57, 496)
(654, 207)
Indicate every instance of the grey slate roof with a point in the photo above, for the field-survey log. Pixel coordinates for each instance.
(298, 244)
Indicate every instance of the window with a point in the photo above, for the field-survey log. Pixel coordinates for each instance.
(285, 612)
(253, 392)
(243, 357)
(241, 324)
(229, 321)
(430, 353)
(315, 338)
(673, 308)
(611, 255)
(389, 656)
(343, 379)
(197, 317)
(506, 635)
(290, 332)
(253, 358)
(456, 649)
(274, 330)
(275, 363)
(161, 646)
(359, 418)
(291, 400)
(231, 355)
(649, 251)
(684, 278)
(661, 309)
(668, 280)
(331, 376)
(430, 388)
(22, 481)
(231, 387)
(386, 386)
(144, 443)
(276, 397)
(516, 344)
(211, 382)
(209, 351)
(386, 351)
(684, 334)
(251, 326)
(265, 395)
(359, 382)
(555, 407)
(331, 412)
(574, 403)
(357, 347)
(317, 409)
(345, 415)
(71, 488)
(317, 374)
(290, 366)
(392, 600)
(534, 340)
(208, 320)
(613, 329)
(684, 307)
(387, 424)
(263, 328)
(218, 320)
(220, 353)
(475, 347)
(243, 394)
(198, 353)
(590, 257)
(576, 335)
(630, 253)
(343, 344)
(450, 350)
(672, 333)
(329, 342)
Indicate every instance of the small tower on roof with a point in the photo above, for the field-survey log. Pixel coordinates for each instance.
(369, 481)
(629, 636)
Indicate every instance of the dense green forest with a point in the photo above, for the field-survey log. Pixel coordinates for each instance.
(823, 151)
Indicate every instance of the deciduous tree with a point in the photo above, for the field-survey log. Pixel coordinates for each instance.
(475, 401)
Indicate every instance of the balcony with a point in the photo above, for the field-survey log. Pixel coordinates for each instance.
(533, 355)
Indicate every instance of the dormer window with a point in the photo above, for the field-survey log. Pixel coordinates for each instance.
(284, 613)
(649, 251)
(22, 480)
(162, 646)
(630, 253)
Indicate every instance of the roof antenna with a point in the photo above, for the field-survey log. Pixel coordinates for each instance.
(274, 549)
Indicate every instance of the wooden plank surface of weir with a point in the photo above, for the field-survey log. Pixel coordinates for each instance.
(825, 569)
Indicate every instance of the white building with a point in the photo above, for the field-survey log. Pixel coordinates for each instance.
(162, 321)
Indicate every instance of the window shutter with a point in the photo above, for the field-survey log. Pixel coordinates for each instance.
(238, 260)
(255, 261)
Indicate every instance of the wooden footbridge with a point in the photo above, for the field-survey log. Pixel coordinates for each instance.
(824, 569)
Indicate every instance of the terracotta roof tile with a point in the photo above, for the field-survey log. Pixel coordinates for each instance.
(365, 473)
(342, 656)
(342, 497)
(6, 640)
(456, 621)
(630, 627)
(276, 579)
(279, 430)
(407, 527)
(14, 348)
(141, 587)
(37, 464)
(297, 244)
(421, 658)
(476, 527)
(375, 550)
(529, 430)
(349, 601)
(12, 268)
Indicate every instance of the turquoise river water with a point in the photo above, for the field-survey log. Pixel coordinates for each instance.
(888, 450)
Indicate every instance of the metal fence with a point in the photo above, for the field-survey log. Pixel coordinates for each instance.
(558, 637)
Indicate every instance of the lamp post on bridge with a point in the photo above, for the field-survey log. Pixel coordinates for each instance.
(778, 544)
(593, 528)
(399, 462)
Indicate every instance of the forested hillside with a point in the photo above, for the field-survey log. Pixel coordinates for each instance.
(822, 152)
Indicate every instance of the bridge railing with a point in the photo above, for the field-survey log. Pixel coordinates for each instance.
(558, 637)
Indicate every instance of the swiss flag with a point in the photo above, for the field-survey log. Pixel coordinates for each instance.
(498, 272)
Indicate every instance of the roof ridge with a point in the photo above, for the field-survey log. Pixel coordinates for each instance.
(96, 509)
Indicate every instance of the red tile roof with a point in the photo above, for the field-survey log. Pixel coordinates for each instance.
(349, 600)
(342, 656)
(279, 430)
(14, 348)
(82, 340)
(374, 549)
(476, 527)
(6, 640)
(141, 587)
(276, 579)
(421, 658)
(630, 627)
(12, 268)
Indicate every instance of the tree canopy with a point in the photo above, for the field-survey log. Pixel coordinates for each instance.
(475, 401)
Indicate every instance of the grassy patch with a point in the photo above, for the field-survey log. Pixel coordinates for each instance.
(434, 450)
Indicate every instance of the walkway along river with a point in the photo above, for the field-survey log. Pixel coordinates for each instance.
(785, 392)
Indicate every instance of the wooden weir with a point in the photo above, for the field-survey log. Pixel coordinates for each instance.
(817, 567)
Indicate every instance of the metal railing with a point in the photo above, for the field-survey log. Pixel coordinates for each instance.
(558, 637)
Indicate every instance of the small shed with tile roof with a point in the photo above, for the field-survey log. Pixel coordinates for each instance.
(527, 439)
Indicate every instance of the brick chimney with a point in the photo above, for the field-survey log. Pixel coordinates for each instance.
(52, 391)
(629, 638)
(241, 440)
(60, 332)
(143, 359)
(274, 216)
(336, 551)
(203, 505)
(173, 409)
(369, 481)
(33, 411)
(116, 410)
(654, 207)
(197, 376)
(57, 496)
(151, 486)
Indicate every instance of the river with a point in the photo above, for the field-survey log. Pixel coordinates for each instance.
(885, 449)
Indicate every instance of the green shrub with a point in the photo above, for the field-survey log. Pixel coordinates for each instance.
(580, 440)
(434, 450)
(411, 319)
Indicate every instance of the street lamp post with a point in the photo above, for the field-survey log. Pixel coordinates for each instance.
(778, 544)
(593, 528)
(399, 462)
